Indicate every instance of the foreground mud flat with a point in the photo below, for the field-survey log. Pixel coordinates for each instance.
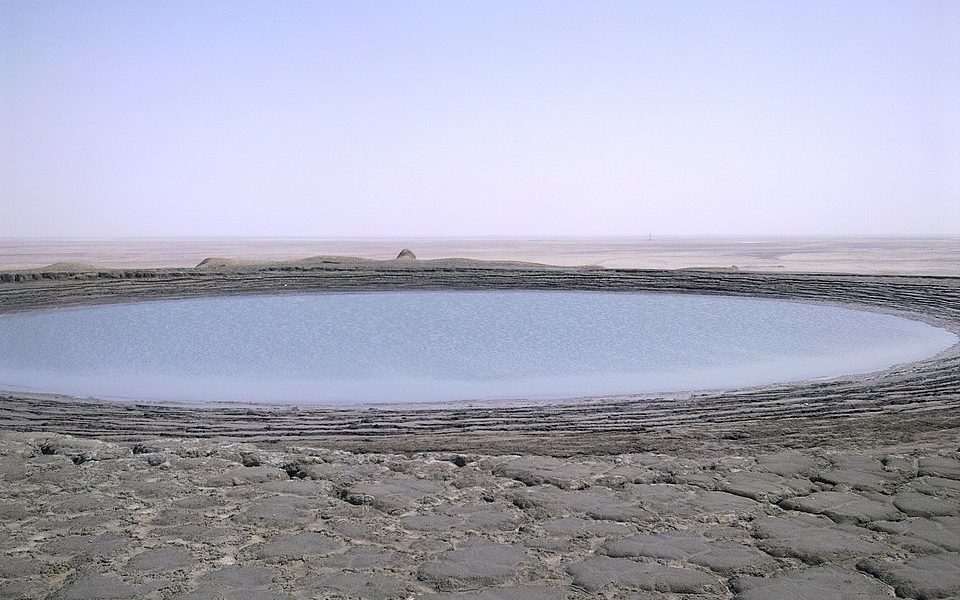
(198, 518)
(846, 489)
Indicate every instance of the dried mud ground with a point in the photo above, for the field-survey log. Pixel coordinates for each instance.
(846, 489)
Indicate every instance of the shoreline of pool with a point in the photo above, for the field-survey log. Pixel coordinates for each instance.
(934, 300)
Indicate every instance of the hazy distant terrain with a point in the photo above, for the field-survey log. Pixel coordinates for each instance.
(927, 256)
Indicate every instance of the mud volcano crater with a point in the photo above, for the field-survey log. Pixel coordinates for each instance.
(919, 396)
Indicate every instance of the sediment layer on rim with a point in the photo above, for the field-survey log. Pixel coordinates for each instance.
(917, 399)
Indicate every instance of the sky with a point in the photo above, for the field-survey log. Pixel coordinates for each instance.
(483, 118)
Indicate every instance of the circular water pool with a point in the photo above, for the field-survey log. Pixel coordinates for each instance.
(436, 346)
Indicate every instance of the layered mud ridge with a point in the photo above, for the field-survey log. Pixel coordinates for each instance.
(926, 393)
(837, 489)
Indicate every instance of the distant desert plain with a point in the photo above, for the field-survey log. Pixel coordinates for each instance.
(869, 255)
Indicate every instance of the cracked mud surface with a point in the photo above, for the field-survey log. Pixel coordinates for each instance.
(845, 489)
(174, 518)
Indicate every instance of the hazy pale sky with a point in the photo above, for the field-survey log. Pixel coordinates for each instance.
(479, 118)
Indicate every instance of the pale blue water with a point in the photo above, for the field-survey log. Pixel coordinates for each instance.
(430, 346)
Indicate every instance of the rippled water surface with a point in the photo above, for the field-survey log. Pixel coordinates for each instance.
(429, 346)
